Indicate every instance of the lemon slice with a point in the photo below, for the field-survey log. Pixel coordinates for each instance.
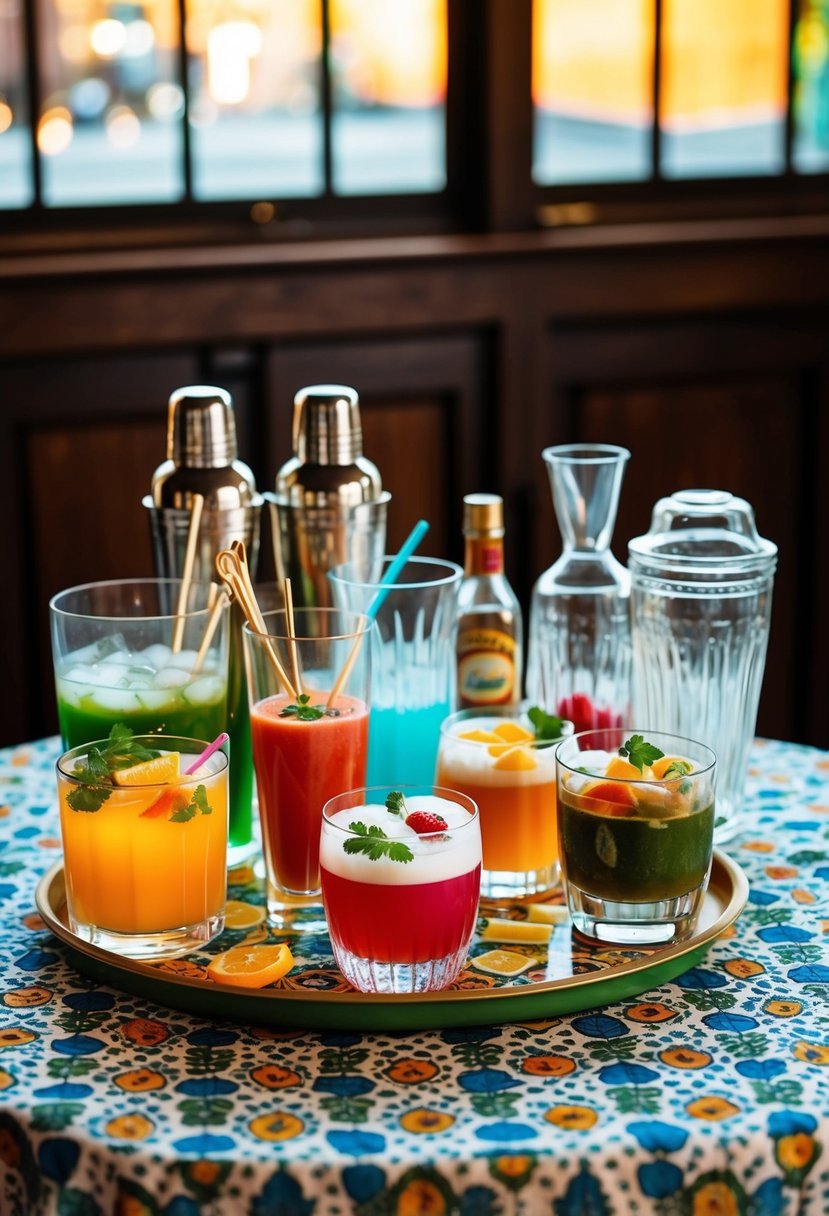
(503, 962)
(157, 771)
(548, 914)
(251, 966)
(239, 915)
(499, 929)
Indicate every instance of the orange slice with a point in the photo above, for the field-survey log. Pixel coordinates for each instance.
(239, 915)
(479, 736)
(660, 767)
(157, 771)
(503, 962)
(501, 929)
(619, 767)
(619, 796)
(513, 732)
(515, 759)
(251, 966)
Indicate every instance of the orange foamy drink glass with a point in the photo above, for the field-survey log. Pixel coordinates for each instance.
(144, 843)
(505, 762)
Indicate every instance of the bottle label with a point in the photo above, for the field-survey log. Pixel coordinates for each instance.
(486, 667)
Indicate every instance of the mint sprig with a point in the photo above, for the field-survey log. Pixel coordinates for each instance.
(303, 710)
(374, 843)
(639, 752)
(94, 772)
(198, 804)
(547, 726)
(678, 768)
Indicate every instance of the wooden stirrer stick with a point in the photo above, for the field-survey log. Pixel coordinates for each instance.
(236, 577)
(219, 598)
(289, 616)
(187, 572)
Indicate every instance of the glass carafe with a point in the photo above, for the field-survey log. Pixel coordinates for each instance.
(579, 659)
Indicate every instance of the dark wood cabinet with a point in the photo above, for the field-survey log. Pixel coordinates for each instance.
(705, 350)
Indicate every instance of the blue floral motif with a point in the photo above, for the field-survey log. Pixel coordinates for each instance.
(487, 1081)
(362, 1182)
(628, 1074)
(760, 1070)
(506, 1132)
(658, 1179)
(583, 1197)
(600, 1026)
(659, 1137)
(356, 1143)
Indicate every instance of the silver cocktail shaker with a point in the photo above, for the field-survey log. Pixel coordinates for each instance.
(329, 505)
(202, 458)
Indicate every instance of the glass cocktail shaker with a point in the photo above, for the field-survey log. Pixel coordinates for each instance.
(701, 587)
(202, 458)
(329, 506)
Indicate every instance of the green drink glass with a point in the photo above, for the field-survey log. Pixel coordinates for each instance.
(636, 824)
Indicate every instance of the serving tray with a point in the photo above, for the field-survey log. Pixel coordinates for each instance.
(564, 976)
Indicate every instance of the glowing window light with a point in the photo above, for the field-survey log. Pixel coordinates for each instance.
(230, 48)
(165, 101)
(108, 37)
(6, 116)
(54, 131)
(123, 127)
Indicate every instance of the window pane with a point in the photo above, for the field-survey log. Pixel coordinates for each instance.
(255, 98)
(15, 148)
(724, 68)
(592, 90)
(388, 62)
(110, 125)
(811, 94)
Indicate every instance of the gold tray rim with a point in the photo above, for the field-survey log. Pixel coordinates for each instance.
(727, 888)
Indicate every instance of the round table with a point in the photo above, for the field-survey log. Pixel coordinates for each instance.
(707, 1096)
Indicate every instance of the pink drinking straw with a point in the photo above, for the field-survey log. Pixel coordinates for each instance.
(207, 753)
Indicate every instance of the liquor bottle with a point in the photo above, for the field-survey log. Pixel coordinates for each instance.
(490, 633)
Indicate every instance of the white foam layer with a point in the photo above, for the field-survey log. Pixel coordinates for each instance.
(466, 761)
(434, 859)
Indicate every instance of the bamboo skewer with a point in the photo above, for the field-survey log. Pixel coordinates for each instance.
(289, 614)
(217, 600)
(187, 572)
(233, 570)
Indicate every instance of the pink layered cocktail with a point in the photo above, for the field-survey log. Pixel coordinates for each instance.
(400, 872)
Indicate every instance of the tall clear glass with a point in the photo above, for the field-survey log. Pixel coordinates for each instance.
(701, 610)
(579, 657)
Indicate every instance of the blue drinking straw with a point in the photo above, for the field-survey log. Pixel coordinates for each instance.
(392, 574)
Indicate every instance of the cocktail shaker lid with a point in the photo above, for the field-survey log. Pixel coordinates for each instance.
(326, 425)
(703, 531)
(201, 427)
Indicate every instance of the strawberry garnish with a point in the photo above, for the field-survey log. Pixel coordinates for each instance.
(425, 821)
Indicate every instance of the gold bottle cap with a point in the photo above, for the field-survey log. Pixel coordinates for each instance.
(483, 513)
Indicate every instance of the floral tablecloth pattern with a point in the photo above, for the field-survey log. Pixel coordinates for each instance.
(708, 1096)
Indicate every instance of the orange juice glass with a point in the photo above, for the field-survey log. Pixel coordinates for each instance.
(494, 758)
(146, 872)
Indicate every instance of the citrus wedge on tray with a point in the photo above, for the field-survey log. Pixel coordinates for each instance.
(251, 966)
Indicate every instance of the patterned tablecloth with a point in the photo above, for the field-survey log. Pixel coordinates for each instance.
(708, 1096)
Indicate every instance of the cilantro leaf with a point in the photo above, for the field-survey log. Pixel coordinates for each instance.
(93, 773)
(198, 803)
(373, 842)
(88, 797)
(547, 726)
(639, 752)
(396, 803)
(303, 710)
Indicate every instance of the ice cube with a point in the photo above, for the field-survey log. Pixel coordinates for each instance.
(205, 690)
(77, 675)
(156, 656)
(172, 677)
(97, 651)
(152, 698)
(184, 658)
(117, 700)
(112, 675)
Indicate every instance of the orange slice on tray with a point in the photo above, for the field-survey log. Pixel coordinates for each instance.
(251, 966)
(618, 797)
